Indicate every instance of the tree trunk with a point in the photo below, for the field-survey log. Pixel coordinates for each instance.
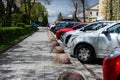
(83, 3)
(111, 10)
(30, 5)
(75, 18)
(25, 2)
(7, 19)
(75, 14)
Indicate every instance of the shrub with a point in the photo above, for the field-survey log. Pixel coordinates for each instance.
(16, 18)
(11, 35)
(20, 25)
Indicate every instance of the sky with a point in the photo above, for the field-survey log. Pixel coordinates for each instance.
(63, 6)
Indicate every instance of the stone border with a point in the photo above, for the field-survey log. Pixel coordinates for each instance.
(84, 72)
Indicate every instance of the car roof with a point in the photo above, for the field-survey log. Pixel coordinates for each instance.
(86, 22)
(111, 25)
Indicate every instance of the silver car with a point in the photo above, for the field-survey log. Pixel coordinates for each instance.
(96, 25)
(87, 46)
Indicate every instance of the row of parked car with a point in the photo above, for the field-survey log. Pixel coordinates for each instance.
(88, 41)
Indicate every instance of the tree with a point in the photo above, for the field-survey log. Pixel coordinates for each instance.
(110, 9)
(105, 9)
(9, 9)
(115, 10)
(77, 5)
(45, 20)
(60, 17)
(2, 12)
(83, 3)
(37, 12)
(28, 5)
(16, 18)
(17, 6)
(8, 12)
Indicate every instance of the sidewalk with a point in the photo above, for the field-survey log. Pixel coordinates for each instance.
(31, 60)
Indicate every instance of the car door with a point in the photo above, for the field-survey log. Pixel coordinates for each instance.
(109, 40)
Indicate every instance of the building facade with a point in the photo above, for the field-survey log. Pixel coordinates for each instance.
(92, 13)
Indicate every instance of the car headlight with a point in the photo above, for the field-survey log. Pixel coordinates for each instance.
(114, 53)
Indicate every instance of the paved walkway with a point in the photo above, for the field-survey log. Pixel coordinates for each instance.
(31, 60)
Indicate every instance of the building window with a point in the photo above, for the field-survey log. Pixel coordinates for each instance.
(96, 13)
(97, 6)
(91, 13)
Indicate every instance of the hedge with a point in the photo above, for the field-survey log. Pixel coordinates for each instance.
(20, 24)
(11, 35)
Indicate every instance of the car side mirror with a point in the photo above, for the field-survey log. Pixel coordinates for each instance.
(82, 29)
(104, 32)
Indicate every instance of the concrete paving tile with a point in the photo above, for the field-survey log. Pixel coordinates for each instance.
(31, 60)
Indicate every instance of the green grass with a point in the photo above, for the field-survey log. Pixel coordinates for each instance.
(12, 35)
(5, 45)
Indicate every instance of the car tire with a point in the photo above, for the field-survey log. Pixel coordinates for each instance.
(61, 36)
(85, 53)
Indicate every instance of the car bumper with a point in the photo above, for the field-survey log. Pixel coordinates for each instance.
(70, 48)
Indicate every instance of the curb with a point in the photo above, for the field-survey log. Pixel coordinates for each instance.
(82, 70)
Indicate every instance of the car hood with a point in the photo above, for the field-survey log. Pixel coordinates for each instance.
(86, 33)
(73, 31)
(65, 29)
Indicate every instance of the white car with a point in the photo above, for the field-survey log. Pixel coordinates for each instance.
(97, 25)
(67, 36)
(92, 44)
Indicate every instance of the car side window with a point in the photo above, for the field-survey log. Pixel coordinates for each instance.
(69, 25)
(114, 29)
(79, 26)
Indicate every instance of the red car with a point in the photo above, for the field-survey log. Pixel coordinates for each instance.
(111, 65)
(60, 32)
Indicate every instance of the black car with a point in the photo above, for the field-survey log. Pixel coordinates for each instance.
(60, 23)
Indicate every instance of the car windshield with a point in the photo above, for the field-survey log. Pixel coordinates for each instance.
(114, 53)
(61, 24)
(65, 25)
(94, 26)
(70, 25)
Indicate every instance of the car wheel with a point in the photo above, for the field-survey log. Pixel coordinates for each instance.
(85, 53)
(61, 36)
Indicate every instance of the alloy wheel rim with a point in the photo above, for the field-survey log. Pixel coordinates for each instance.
(84, 54)
(61, 37)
